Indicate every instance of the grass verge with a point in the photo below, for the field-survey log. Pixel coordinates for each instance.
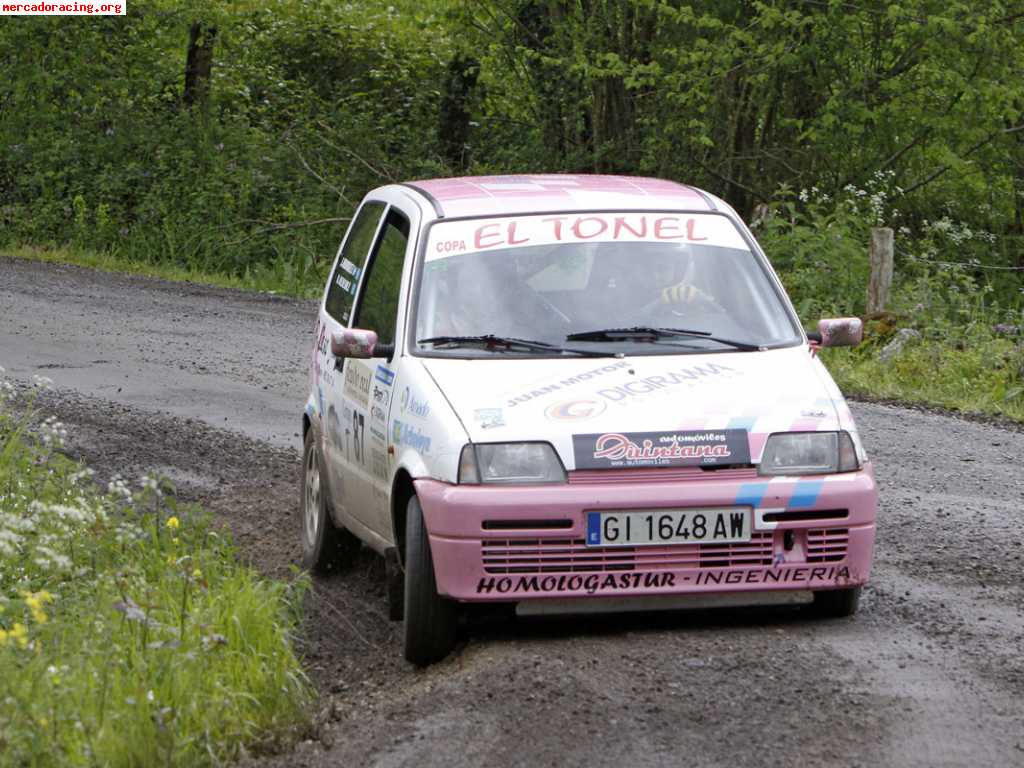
(983, 377)
(129, 632)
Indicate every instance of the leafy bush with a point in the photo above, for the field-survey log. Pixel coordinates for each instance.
(971, 320)
(257, 181)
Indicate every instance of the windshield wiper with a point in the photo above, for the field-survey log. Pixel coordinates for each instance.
(491, 341)
(647, 333)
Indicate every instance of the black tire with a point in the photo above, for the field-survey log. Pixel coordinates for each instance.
(325, 547)
(394, 578)
(430, 620)
(836, 603)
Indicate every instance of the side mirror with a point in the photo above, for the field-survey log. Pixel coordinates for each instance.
(353, 342)
(839, 332)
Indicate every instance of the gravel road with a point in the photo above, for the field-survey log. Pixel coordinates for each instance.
(206, 386)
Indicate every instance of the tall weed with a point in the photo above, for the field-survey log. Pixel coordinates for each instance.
(129, 632)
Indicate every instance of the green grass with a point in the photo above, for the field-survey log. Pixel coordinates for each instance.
(129, 632)
(269, 279)
(983, 377)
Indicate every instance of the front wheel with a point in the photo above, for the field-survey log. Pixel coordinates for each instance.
(836, 603)
(325, 547)
(430, 620)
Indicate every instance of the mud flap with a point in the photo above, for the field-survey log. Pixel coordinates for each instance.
(394, 577)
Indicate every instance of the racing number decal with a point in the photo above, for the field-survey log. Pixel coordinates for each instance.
(358, 434)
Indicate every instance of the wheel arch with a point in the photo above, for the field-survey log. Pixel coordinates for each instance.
(402, 489)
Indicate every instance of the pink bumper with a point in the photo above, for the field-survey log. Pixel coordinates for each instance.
(513, 543)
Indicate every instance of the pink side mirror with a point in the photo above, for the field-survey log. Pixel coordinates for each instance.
(840, 332)
(353, 342)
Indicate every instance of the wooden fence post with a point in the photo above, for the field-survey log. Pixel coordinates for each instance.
(881, 269)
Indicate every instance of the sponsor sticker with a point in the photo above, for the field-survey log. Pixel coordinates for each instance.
(407, 434)
(351, 268)
(664, 383)
(489, 418)
(357, 383)
(661, 449)
(575, 410)
(452, 238)
(626, 390)
(381, 396)
(547, 386)
(412, 406)
(594, 583)
(385, 375)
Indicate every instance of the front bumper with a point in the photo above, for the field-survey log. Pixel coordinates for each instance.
(513, 543)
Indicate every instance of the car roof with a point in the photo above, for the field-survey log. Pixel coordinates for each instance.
(536, 193)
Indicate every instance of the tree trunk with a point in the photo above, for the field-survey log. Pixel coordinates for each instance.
(198, 63)
(455, 110)
(1017, 228)
(612, 124)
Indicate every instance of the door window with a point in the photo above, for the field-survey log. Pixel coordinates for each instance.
(378, 304)
(345, 280)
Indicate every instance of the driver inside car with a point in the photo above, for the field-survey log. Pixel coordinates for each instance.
(672, 289)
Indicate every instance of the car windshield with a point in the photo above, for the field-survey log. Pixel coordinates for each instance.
(629, 283)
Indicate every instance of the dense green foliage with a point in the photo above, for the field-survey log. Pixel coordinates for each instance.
(129, 632)
(816, 119)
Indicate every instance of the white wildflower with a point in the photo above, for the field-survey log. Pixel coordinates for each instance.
(85, 474)
(118, 487)
(18, 523)
(151, 483)
(42, 382)
(53, 432)
(9, 542)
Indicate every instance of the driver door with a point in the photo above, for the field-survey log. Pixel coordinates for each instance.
(335, 376)
(368, 388)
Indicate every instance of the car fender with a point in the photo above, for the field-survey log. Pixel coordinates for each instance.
(424, 430)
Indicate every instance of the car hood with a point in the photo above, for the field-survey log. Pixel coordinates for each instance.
(563, 400)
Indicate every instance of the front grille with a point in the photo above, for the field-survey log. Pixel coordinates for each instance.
(827, 545)
(565, 555)
(802, 516)
(526, 525)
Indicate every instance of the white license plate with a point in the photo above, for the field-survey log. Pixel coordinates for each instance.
(668, 526)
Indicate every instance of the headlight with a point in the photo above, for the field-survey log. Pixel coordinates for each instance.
(510, 463)
(808, 453)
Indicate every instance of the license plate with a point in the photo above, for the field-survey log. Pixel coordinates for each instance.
(668, 526)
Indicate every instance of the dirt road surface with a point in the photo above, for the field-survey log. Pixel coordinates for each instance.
(206, 386)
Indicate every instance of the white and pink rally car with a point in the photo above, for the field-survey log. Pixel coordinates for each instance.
(576, 394)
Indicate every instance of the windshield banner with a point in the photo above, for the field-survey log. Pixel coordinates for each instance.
(661, 449)
(451, 238)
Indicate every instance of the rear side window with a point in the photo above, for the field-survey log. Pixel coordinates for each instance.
(378, 304)
(345, 280)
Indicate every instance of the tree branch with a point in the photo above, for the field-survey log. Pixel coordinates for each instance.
(350, 153)
(988, 139)
(339, 192)
(281, 226)
(735, 183)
